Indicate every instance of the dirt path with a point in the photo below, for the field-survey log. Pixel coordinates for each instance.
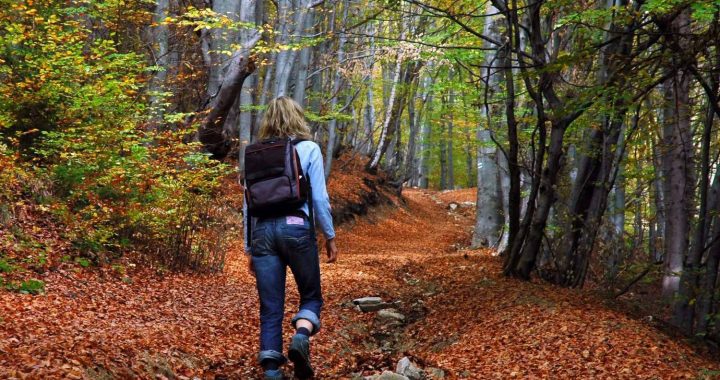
(461, 316)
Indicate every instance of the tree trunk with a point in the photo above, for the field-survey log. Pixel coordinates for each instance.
(337, 82)
(248, 14)
(221, 39)
(489, 218)
(245, 120)
(415, 118)
(677, 164)
(470, 162)
(390, 108)
(264, 93)
(304, 60)
(443, 158)
(659, 203)
(384, 138)
(163, 57)
(211, 131)
(290, 20)
(706, 306)
(503, 198)
(530, 248)
(598, 167)
(689, 281)
(450, 155)
(617, 219)
(423, 164)
(369, 115)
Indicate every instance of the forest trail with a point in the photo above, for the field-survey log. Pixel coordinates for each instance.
(461, 315)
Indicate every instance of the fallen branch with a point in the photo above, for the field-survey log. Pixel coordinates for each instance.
(635, 280)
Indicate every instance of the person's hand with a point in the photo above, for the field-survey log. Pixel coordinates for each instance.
(332, 251)
(250, 267)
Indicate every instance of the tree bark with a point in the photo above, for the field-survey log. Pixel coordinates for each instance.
(285, 27)
(211, 130)
(248, 14)
(410, 158)
(689, 281)
(337, 82)
(676, 162)
(164, 57)
(443, 158)
(707, 300)
(489, 217)
(598, 167)
(369, 116)
(450, 145)
(384, 138)
(425, 133)
(304, 60)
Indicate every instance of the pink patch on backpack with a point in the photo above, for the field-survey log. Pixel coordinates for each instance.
(295, 220)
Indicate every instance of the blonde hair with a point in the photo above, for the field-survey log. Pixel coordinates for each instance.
(284, 117)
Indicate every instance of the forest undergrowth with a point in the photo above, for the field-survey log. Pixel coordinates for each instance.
(97, 324)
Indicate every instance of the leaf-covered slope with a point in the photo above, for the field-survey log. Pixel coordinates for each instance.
(462, 316)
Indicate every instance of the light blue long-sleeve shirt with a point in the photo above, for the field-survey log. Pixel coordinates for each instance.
(311, 161)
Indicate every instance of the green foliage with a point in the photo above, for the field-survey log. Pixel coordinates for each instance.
(31, 286)
(708, 374)
(119, 269)
(6, 266)
(83, 262)
(72, 114)
(705, 11)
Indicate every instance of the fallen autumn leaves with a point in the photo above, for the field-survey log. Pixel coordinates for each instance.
(464, 317)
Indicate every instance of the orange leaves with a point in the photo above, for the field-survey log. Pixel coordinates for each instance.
(464, 317)
(346, 182)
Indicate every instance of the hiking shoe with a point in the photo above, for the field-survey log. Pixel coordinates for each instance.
(274, 374)
(299, 353)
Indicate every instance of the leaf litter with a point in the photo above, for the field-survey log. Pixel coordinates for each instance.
(465, 317)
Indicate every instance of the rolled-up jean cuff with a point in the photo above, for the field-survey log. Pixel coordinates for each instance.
(310, 316)
(271, 355)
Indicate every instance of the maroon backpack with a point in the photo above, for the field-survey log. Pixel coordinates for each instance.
(275, 184)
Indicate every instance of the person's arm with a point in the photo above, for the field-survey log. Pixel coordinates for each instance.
(321, 201)
(320, 198)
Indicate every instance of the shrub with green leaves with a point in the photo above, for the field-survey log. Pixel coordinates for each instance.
(31, 286)
(73, 114)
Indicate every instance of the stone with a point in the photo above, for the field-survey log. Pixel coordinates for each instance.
(387, 375)
(435, 373)
(408, 369)
(368, 301)
(375, 307)
(391, 314)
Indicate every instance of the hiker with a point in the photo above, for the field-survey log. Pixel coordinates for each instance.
(282, 233)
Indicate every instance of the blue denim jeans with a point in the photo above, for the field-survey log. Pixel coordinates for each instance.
(276, 244)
